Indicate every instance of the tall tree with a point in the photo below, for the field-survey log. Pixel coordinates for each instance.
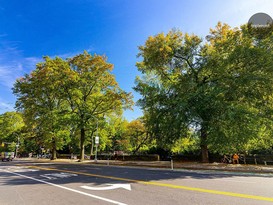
(78, 91)
(43, 107)
(222, 88)
(92, 92)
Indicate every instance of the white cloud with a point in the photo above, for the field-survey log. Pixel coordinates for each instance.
(13, 64)
(6, 106)
(6, 76)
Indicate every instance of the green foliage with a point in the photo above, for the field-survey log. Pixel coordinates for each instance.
(222, 88)
(43, 107)
(62, 99)
(263, 141)
(186, 144)
(138, 136)
(115, 130)
(92, 91)
(11, 125)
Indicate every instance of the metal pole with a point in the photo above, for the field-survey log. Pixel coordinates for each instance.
(16, 152)
(96, 159)
(171, 164)
(17, 145)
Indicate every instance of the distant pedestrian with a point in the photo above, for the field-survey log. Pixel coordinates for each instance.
(235, 159)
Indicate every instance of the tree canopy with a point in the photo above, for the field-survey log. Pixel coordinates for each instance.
(11, 124)
(221, 88)
(61, 96)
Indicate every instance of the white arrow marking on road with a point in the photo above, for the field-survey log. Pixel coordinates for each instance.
(112, 186)
(58, 175)
(66, 188)
(20, 169)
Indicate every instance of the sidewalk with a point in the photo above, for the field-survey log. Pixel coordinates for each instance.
(192, 166)
(176, 165)
(185, 165)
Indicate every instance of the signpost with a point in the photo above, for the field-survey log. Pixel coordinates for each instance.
(96, 143)
(97, 140)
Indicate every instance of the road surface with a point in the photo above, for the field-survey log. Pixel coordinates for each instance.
(28, 182)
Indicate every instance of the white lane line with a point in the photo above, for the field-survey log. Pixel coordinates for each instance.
(66, 188)
(234, 180)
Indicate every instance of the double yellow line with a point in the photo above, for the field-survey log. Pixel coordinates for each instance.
(163, 184)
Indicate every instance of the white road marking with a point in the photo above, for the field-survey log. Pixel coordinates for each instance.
(66, 188)
(48, 177)
(58, 175)
(47, 163)
(234, 180)
(112, 186)
(25, 170)
(20, 169)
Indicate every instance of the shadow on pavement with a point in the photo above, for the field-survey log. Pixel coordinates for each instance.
(99, 174)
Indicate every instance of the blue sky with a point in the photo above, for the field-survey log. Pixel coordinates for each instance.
(31, 29)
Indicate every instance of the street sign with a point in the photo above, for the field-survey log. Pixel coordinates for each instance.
(97, 140)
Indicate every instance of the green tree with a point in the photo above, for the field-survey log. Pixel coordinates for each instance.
(139, 137)
(44, 109)
(11, 124)
(115, 131)
(221, 88)
(62, 97)
(92, 92)
(186, 144)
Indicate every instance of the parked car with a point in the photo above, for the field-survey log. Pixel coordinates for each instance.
(7, 156)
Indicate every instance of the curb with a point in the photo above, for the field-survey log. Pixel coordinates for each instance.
(193, 166)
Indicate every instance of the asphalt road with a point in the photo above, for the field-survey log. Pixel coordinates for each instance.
(27, 183)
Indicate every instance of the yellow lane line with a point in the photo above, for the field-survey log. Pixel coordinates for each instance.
(164, 185)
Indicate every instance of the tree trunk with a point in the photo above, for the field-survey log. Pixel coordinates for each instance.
(92, 147)
(204, 146)
(54, 151)
(82, 144)
(141, 143)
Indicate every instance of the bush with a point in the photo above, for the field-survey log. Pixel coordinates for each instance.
(126, 157)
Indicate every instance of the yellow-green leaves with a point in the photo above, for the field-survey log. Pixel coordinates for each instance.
(158, 50)
(220, 87)
(64, 95)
